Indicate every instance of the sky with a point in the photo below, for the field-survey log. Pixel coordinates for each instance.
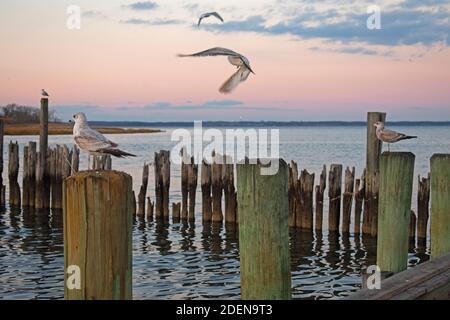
(313, 60)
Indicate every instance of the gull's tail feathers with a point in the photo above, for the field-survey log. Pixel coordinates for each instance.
(117, 153)
(407, 137)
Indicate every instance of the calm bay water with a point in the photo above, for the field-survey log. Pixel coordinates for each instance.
(202, 261)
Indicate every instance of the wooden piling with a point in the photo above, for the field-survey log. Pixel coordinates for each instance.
(349, 183)
(292, 193)
(176, 209)
(2, 187)
(423, 202)
(359, 200)
(206, 191)
(149, 209)
(306, 189)
(396, 179)
(44, 178)
(440, 205)
(320, 190)
(412, 227)
(373, 151)
(32, 156)
(162, 184)
(13, 173)
(216, 182)
(229, 191)
(263, 233)
(186, 161)
(25, 179)
(143, 191)
(98, 235)
(192, 188)
(334, 195)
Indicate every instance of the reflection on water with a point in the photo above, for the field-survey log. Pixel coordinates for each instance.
(180, 261)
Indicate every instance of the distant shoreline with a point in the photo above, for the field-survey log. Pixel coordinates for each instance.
(184, 124)
(56, 128)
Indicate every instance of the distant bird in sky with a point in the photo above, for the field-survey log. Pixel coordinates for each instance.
(93, 141)
(236, 59)
(44, 93)
(389, 136)
(207, 15)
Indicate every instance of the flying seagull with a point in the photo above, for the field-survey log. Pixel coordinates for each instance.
(208, 14)
(389, 136)
(93, 141)
(44, 93)
(236, 59)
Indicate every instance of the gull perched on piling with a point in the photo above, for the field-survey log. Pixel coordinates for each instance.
(44, 93)
(209, 14)
(389, 136)
(236, 59)
(92, 141)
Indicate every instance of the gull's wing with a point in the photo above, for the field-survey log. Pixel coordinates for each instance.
(92, 140)
(387, 135)
(239, 76)
(215, 14)
(213, 52)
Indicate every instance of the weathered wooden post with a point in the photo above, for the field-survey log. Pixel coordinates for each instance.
(349, 183)
(334, 195)
(32, 173)
(229, 190)
(143, 191)
(184, 183)
(192, 188)
(216, 182)
(440, 205)
(373, 151)
(320, 190)
(359, 199)
(206, 191)
(149, 209)
(176, 209)
(412, 228)
(13, 173)
(423, 202)
(75, 163)
(44, 179)
(292, 193)
(162, 184)
(98, 235)
(25, 179)
(263, 232)
(306, 189)
(396, 180)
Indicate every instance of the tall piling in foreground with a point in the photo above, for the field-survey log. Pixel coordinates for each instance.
(98, 235)
(373, 152)
(320, 190)
(440, 205)
(334, 195)
(44, 178)
(396, 180)
(263, 232)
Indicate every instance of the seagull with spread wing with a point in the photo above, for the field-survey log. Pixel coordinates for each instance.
(92, 141)
(236, 59)
(389, 136)
(207, 15)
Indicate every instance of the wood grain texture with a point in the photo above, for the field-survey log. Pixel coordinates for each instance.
(263, 233)
(440, 205)
(396, 180)
(334, 195)
(98, 234)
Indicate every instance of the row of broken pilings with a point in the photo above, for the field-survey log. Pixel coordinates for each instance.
(263, 206)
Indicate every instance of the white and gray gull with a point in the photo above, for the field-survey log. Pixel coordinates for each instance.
(207, 15)
(389, 136)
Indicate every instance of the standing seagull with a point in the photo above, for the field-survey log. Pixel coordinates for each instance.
(389, 136)
(208, 14)
(93, 141)
(44, 93)
(236, 59)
